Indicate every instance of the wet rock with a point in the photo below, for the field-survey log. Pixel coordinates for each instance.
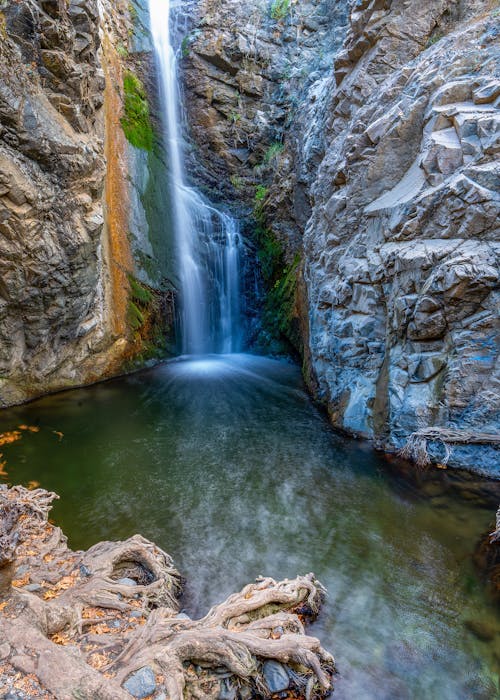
(227, 690)
(142, 683)
(276, 676)
(481, 629)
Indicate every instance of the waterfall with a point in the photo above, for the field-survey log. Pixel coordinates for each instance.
(208, 241)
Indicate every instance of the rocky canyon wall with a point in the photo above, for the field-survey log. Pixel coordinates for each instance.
(77, 295)
(369, 156)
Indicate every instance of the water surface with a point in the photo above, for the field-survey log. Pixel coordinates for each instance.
(226, 464)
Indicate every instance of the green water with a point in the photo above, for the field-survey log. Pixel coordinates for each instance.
(227, 465)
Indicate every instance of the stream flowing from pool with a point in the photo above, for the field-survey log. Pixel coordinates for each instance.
(228, 466)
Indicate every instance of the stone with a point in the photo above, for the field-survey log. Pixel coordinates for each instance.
(33, 588)
(487, 93)
(127, 581)
(276, 676)
(4, 650)
(141, 683)
(227, 690)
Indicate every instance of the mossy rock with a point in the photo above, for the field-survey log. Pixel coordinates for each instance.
(136, 120)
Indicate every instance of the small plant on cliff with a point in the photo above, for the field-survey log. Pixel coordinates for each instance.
(122, 50)
(280, 9)
(236, 182)
(280, 303)
(260, 195)
(140, 299)
(273, 152)
(136, 122)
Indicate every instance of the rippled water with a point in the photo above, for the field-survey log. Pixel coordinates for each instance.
(227, 465)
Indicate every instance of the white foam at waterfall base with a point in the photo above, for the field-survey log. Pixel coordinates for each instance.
(208, 241)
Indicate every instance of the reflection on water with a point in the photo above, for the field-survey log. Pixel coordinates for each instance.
(224, 462)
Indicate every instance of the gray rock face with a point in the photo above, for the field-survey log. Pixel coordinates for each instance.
(141, 683)
(388, 187)
(54, 316)
(401, 250)
(243, 68)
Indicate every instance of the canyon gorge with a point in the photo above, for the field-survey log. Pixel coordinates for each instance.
(249, 295)
(356, 143)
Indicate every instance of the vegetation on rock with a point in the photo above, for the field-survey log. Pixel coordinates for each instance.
(280, 9)
(136, 121)
(280, 277)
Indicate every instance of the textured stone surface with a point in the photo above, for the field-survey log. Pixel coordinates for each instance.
(78, 203)
(55, 321)
(142, 683)
(401, 252)
(388, 187)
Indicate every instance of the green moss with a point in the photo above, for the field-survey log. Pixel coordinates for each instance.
(280, 303)
(135, 317)
(136, 122)
(269, 253)
(139, 293)
(148, 326)
(185, 46)
(280, 9)
(280, 278)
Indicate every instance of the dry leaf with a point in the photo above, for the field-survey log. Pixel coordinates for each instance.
(21, 581)
(98, 661)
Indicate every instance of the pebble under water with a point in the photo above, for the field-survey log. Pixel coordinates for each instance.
(228, 466)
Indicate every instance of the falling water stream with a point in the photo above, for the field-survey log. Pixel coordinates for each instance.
(208, 240)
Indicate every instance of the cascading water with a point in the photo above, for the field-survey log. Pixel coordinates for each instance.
(208, 241)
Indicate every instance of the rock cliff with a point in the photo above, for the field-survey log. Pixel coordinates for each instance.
(72, 297)
(382, 191)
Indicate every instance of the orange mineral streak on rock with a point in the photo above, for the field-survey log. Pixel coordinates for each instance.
(117, 196)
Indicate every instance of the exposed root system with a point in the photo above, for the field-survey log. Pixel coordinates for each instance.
(105, 623)
(415, 448)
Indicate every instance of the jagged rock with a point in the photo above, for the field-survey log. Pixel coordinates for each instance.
(387, 187)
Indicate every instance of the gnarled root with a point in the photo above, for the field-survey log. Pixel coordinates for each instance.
(415, 448)
(85, 623)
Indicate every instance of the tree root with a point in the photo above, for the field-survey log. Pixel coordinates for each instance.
(415, 448)
(84, 623)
